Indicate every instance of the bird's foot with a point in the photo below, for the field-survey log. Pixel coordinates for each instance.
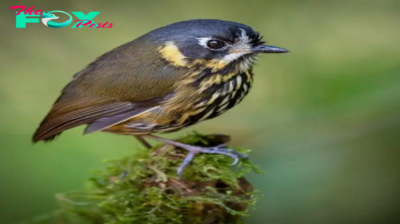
(219, 149)
(193, 150)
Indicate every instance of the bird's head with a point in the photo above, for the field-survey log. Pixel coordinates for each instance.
(210, 43)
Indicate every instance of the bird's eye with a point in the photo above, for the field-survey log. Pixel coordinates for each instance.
(215, 44)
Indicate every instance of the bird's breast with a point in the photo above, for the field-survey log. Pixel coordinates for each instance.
(197, 102)
(218, 94)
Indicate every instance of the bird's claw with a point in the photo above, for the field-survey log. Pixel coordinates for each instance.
(193, 150)
(185, 163)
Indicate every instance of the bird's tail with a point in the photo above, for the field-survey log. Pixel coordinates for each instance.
(61, 119)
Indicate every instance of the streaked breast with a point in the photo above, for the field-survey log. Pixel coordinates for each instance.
(221, 98)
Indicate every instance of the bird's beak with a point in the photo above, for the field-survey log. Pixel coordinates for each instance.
(268, 49)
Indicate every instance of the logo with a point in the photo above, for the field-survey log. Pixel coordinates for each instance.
(47, 17)
(27, 16)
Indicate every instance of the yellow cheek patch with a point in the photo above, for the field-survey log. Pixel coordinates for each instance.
(171, 53)
(214, 64)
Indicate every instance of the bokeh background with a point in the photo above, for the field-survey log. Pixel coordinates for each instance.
(323, 121)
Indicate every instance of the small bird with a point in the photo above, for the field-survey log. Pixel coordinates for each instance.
(166, 80)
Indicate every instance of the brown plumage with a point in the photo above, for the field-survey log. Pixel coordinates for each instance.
(109, 86)
(168, 79)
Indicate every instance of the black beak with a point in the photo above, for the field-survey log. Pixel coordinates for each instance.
(268, 49)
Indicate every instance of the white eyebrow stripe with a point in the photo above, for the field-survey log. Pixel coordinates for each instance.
(203, 41)
(241, 42)
(244, 38)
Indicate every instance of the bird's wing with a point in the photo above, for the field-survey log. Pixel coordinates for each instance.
(121, 82)
(58, 121)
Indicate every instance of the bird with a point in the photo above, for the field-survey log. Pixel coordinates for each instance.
(168, 79)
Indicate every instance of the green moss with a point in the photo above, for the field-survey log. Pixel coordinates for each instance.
(144, 188)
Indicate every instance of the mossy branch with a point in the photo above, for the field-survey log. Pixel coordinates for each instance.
(144, 188)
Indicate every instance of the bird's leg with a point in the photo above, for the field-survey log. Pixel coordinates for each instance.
(143, 141)
(193, 150)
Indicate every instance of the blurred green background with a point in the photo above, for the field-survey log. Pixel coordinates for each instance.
(323, 121)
